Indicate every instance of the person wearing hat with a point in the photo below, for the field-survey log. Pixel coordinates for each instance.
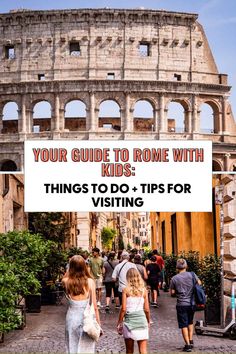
(181, 286)
(120, 271)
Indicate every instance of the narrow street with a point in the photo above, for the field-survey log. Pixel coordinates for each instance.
(44, 333)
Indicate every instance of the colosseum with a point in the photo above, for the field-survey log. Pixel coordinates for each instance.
(60, 68)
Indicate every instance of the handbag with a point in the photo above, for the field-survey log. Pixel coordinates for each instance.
(91, 326)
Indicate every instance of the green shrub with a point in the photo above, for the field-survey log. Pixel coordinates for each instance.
(210, 276)
(23, 258)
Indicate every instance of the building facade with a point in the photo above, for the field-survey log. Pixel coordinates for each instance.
(12, 215)
(58, 57)
(228, 182)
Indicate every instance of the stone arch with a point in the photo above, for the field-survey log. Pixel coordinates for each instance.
(8, 165)
(10, 117)
(177, 115)
(75, 115)
(217, 165)
(42, 115)
(109, 115)
(208, 124)
(233, 166)
(143, 115)
(74, 96)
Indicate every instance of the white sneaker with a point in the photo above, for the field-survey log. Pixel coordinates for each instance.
(99, 304)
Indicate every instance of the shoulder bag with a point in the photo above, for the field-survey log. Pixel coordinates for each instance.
(91, 326)
(198, 298)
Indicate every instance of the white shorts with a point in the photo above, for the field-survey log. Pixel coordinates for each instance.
(98, 283)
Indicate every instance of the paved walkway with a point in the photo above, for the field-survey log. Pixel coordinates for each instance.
(44, 333)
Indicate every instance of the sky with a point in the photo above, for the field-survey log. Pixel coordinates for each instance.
(218, 18)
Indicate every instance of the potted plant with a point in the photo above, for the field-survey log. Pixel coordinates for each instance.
(211, 279)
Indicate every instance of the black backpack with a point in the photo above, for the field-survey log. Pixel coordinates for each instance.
(198, 298)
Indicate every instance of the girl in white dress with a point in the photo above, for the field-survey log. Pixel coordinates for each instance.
(134, 317)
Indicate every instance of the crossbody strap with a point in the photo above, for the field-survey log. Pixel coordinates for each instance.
(110, 265)
(121, 269)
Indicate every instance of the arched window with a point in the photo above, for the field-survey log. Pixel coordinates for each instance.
(216, 166)
(207, 119)
(143, 116)
(109, 115)
(75, 115)
(8, 165)
(10, 118)
(42, 114)
(10, 111)
(176, 118)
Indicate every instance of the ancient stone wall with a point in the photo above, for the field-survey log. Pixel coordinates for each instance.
(125, 56)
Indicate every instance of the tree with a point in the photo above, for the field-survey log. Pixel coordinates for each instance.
(107, 236)
(52, 226)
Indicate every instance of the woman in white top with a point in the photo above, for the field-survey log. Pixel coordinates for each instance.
(80, 287)
(134, 313)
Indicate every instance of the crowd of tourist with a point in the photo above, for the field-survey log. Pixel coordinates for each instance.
(133, 284)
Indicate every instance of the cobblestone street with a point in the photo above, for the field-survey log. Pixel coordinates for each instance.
(44, 333)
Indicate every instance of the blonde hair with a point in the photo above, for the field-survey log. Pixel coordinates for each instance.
(135, 283)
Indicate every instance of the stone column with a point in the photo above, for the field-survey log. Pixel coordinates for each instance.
(1, 118)
(224, 116)
(56, 118)
(195, 116)
(87, 118)
(155, 113)
(218, 128)
(162, 122)
(188, 121)
(129, 127)
(226, 161)
(22, 120)
(122, 120)
(92, 120)
(29, 120)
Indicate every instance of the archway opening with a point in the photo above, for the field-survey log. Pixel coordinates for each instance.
(109, 115)
(207, 119)
(216, 166)
(75, 115)
(8, 165)
(10, 118)
(143, 116)
(42, 114)
(176, 118)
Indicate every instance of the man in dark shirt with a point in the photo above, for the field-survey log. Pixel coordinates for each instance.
(181, 286)
(153, 272)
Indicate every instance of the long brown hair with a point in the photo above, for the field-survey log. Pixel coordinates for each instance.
(78, 274)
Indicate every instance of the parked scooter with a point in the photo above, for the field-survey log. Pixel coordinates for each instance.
(230, 329)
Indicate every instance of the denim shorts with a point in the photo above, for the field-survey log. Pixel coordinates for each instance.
(184, 315)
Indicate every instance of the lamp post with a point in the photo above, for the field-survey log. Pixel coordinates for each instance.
(119, 235)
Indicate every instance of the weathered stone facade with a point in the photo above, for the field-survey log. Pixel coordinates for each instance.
(121, 55)
(12, 215)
